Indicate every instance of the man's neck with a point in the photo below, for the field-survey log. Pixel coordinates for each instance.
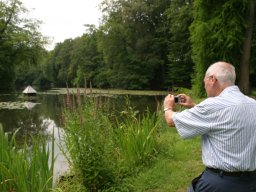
(221, 88)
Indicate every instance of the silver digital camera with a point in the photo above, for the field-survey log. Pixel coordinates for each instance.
(177, 99)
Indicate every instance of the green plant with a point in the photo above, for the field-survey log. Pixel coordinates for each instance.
(103, 151)
(137, 137)
(88, 138)
(25, 169)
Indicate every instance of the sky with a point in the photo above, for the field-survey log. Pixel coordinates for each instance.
(63, 19)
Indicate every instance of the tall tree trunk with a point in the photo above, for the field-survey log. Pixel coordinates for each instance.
(244, 81)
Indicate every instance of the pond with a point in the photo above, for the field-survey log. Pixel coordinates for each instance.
(42, 115)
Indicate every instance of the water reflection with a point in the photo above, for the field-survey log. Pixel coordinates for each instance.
(40, 116)
(29, 118)
(30, 105)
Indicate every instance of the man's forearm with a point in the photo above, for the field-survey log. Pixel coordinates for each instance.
(168, 114)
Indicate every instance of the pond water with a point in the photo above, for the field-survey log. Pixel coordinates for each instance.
(42, 115)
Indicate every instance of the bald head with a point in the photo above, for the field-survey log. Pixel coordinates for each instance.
(224, 73)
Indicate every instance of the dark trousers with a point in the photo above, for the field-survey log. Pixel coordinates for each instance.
(214, 182)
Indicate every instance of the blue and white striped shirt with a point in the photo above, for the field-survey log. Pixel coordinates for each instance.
(227, 124)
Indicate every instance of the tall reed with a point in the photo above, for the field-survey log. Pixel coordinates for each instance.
(136, 135)
(103, 149)
(27, 168)
(89, 144)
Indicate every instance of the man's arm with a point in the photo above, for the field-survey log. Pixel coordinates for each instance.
(169, 109)
(169, 118)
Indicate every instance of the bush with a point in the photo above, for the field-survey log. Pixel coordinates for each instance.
(137, 137)
(103, 151)
(88, 138)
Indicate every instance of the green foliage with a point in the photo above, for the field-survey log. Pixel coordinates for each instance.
(75, 60)
(88, 137)
(173, 169)
(133, 41)
(177, 163)
(87, 59)
(136, 137)
(139, 45)
(128, 50)
(36, 74)
(25, 169)
(60, 60)
(217, 33)
(20, 41)
(180, 67)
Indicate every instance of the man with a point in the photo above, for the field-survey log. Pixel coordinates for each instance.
(226, 120)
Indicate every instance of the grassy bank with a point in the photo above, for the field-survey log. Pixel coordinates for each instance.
(129, 151)
(178, 162)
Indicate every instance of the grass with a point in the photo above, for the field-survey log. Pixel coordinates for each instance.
(178, 162)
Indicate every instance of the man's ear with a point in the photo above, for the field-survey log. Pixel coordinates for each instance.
(214, 79)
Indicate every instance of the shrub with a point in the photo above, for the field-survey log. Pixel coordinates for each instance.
(103, 151)
(137, 137)
(88, 138)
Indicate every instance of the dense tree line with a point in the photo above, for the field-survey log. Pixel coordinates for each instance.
(140, 44)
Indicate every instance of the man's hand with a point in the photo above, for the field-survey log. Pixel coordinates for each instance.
(186, 101)
(169, 102)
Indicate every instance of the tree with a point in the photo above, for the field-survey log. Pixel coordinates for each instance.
(74, 60)
(20, 41)
(245, 61)
(61, 61)
(133, 41)
(180, 67)
(87, 59)
(217, 33)
(36, 74)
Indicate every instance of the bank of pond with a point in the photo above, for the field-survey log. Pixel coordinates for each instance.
(95, 144)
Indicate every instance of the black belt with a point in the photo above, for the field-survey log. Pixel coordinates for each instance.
(232, 174)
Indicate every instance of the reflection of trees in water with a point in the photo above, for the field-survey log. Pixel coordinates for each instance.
(52, 107)
(33, 122)
(138, 102)
(27, 121)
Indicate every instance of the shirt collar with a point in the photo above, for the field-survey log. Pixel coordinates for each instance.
(229, 89)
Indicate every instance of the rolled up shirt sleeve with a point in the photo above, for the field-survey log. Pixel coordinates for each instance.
(193, 122)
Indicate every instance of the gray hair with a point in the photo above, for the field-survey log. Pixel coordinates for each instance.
(224, 72)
